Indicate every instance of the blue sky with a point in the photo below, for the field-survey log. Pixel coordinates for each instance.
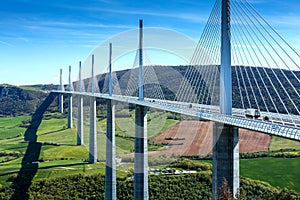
(37, 38)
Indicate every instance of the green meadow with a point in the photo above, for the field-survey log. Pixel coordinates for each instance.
(280, 172)
(59, 155)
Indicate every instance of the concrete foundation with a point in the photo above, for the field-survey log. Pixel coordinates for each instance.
(225, 158)
(80, 121)
(93, 132)
(141, 154)
(110, 173)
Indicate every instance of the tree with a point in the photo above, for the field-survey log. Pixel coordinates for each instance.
(224, 192)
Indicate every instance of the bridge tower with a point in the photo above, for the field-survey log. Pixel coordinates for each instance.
(141, 145)
(80, 111)
(60, 96)
(70, 101)
(110, 171)
(93, 129)
(225, 137)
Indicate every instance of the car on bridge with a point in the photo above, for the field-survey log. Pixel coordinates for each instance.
(252, 112)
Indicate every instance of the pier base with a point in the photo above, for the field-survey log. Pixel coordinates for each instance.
(110, 172)
(80, 121)
(225, 158)
(93, 132)
(141, 154)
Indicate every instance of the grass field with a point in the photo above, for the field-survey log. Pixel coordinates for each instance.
(281, 172)
(278, 143)
(59, 155)
(10, 127)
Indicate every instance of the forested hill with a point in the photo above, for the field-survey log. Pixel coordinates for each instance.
(252, 86)
(22, 100)
(25, 99)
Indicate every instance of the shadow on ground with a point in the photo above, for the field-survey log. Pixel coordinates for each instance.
(29, 167)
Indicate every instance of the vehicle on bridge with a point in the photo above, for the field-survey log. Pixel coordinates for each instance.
(252, 112)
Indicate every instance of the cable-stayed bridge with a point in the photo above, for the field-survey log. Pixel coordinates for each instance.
(242, 74)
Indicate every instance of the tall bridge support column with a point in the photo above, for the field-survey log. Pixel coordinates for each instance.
(60, 97)
(225, 137)
(80, 112)
(93, 125)
(70, 110)
(80, 121)
(70, 101)
(141, 154)
(61, 103)
(110, 172)
(93, 132)
(225, 158)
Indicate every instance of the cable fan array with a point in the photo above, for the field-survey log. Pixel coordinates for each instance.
(265, 70)
(265, 65)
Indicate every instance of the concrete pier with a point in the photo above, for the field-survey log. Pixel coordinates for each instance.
(80, 112)
(141, 136)
(93, 132)
(70, 110)
(225, 137)
(110, 172)
(93, 118)
(70, 102)
(141, 154)
(61, 97)
(225, 158)
(61, 103)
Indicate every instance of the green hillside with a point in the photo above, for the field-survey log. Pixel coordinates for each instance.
(23, 100)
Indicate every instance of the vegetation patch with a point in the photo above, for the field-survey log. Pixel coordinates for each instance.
(188, 186)
(280, 172)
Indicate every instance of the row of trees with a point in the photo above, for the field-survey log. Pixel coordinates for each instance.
(163, 187)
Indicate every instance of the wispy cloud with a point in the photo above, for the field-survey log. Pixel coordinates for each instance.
(256, 1)
(285, 20)
(176, 15)
(65, 31)
(183, 16)
(23, 39)
(81, 25)
(6, 44)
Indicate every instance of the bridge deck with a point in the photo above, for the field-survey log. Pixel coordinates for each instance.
(208, 112)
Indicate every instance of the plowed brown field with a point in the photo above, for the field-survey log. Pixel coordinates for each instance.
(196, 138)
